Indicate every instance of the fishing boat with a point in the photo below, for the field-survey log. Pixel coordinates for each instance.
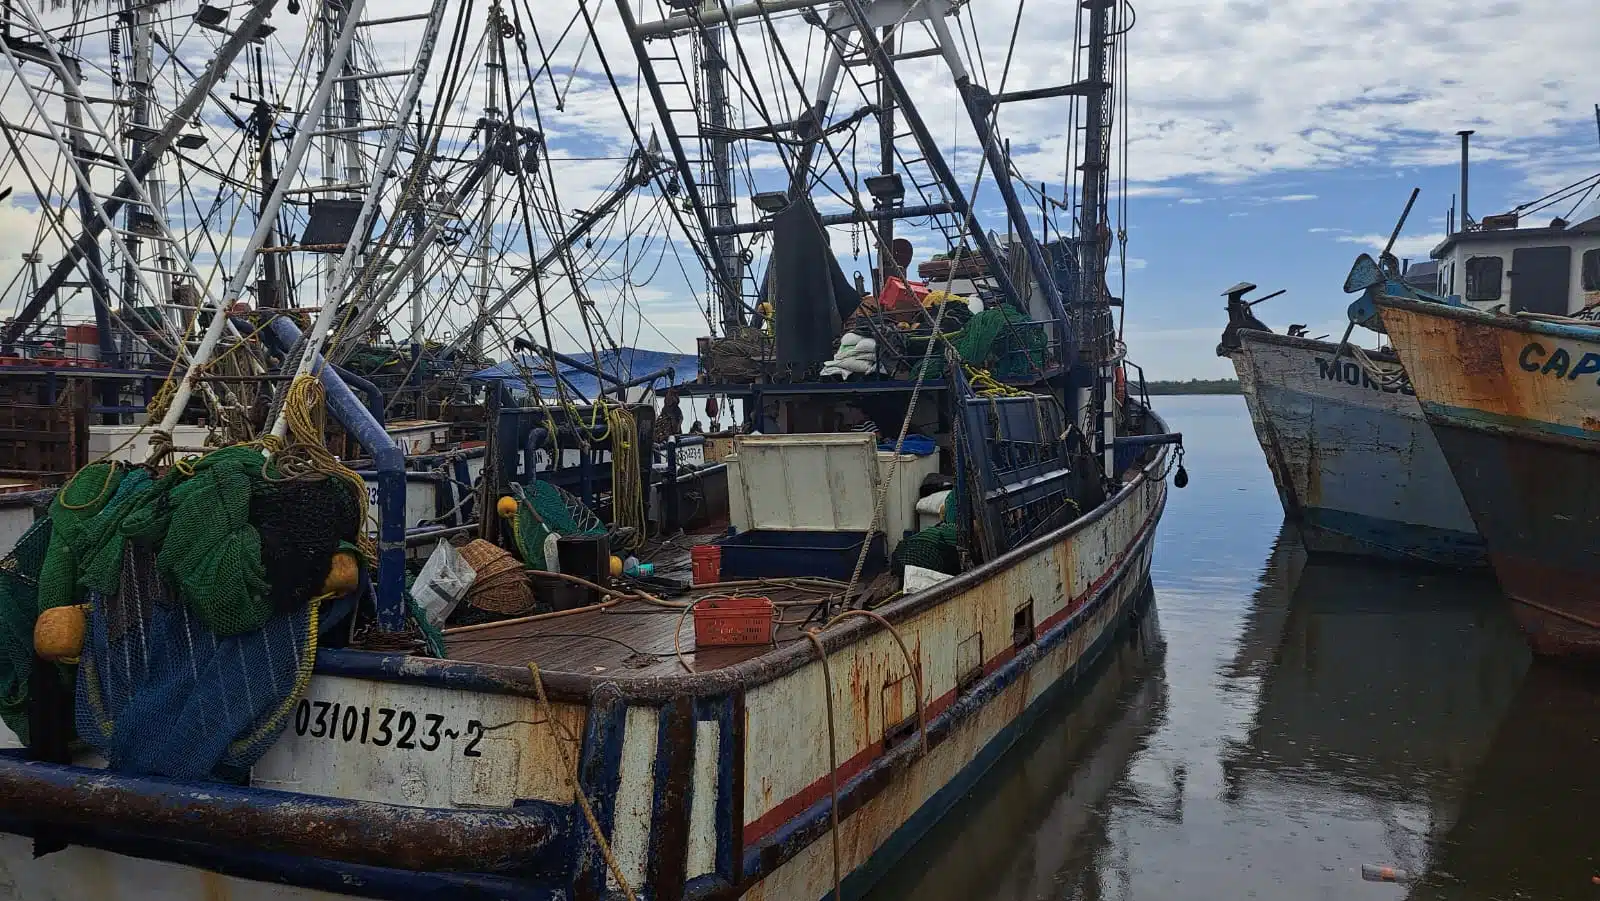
(1500, 373)
(937, 513)
(1356, 467)
(1511, 403)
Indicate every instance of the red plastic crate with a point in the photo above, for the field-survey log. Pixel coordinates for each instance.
(732, 622)
(900, 294)
(706, 563)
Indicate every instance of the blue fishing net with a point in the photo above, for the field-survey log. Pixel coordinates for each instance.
(159, 693)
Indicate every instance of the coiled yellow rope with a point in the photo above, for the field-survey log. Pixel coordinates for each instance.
(627, 490)
(986, 385)
(302, 406)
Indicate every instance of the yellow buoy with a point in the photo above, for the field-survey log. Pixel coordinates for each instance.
(507, 507)
(343, 576)
(58, 633)
(616, 566)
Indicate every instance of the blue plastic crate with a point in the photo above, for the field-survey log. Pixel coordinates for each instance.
(774, 553)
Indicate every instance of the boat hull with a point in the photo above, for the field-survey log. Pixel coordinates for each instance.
(1357, 468)
(712, 785)
(1520, 424)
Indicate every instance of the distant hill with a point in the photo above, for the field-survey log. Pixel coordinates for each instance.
(1195, 386)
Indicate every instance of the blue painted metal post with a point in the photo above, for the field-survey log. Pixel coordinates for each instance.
(390, 463)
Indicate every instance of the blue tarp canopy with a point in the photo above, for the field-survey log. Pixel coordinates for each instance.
(625, 364)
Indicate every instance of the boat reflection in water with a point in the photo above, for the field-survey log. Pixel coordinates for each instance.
(1528, 823)
(1379, 699)
(1036, 819)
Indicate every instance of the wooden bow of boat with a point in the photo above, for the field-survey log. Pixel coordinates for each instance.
(1515, 404)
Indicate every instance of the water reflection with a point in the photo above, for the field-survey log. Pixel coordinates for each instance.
(1379, 693)
(1528, 824)
(1036, 821)
(1301, 719)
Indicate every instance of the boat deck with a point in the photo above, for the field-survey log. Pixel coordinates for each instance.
(635, 637)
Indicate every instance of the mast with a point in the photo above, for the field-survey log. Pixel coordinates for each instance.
(327, 20)
(644, 168)
(1093, 310)
(99, 288)
(1092, 248)
(141, 94)
(491, 180)
(419, 225)
(887, 265)
(142, 166)
(691, 188)
(267, 293)
(247, 257)
(714, 69)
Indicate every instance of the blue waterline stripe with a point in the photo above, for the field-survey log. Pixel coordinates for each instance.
(1469, 417)
(1400, 540)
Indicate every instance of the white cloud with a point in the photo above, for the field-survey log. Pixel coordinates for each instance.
(1226, 91)
(1294, 198)
(1322, 230)
(1192, 200)
(1406, 246)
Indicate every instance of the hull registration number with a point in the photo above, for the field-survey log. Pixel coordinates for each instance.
(383, 726)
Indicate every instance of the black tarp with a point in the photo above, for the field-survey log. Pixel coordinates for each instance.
(811, 297)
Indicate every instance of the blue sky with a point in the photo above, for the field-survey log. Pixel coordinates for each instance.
(1196, 246)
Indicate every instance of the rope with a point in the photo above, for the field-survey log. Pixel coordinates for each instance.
(301, 405)
(986, 386)
(833, 762)
(833, 755)
(302, 680)
(1384, 378)
(627, 491)
(899, 444)
(571, 775)
(105, 489)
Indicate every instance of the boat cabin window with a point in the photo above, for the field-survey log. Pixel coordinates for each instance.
(1483, 278)
(1591, 270)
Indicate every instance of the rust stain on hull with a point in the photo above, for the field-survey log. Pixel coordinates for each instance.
(1512, 404)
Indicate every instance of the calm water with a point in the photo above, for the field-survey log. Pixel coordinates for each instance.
(1276, 724)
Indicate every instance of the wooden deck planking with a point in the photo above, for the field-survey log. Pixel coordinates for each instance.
(633, 637)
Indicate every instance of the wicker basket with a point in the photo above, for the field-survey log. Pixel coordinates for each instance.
(500, 586)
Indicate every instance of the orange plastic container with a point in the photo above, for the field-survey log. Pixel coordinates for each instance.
(706, 563)
(900, 294)
(732, 622)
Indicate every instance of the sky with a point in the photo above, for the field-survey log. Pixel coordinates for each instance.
(1265, 142)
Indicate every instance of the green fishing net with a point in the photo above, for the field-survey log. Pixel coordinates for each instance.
(545, 508)
(210, 553)
(1001, 340)
(19, 608)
